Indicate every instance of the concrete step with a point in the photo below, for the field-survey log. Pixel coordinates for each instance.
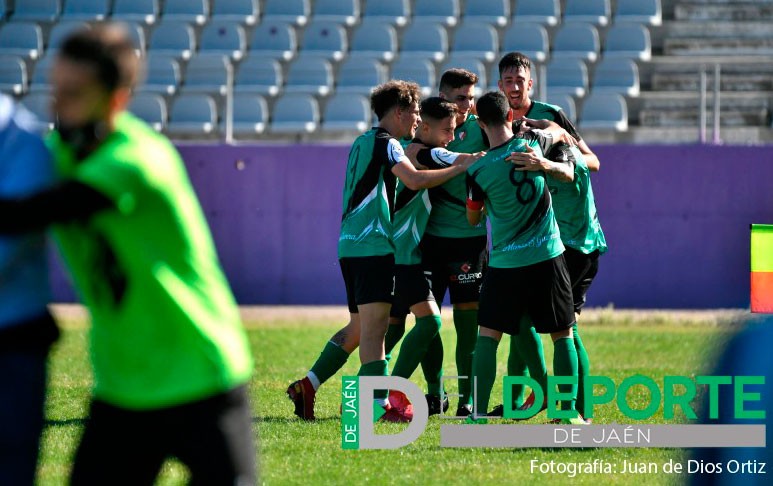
(728, 81)
(718, 29)
(679, 135)
(682, 117)
(735, 11)
(716, 47)
(686, 100)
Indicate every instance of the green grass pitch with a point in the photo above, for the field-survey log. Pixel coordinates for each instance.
(286, 343)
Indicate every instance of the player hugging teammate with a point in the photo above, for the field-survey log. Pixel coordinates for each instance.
(428, 235)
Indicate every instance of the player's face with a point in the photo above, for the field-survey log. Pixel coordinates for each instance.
(515, 83)
(438, 133)
(464, 100)
(409, 120)
(78, 97)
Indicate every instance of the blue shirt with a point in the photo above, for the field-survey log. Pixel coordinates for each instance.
(25, 168)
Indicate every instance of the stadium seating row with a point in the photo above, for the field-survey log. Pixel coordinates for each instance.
(373, 39)
(214, 73)
(198, 115)
(398, 12)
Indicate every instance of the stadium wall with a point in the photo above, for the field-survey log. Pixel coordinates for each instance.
(676, 220)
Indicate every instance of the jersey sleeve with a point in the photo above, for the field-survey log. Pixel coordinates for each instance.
(543, 138)
(475, 194)
(394, 154)
(436, 158)
(564, 122)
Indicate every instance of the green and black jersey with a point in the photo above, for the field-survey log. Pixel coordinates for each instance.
(369, 193)
(413, 208)
(523, 226)
(574, 204)
(545, 111)
(448, 218)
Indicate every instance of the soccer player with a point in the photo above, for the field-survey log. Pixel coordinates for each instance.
(515, 82)
(454, 252)
(366, 246)
(27, 329)
(527, 276)
(412, 211)
(170, 357)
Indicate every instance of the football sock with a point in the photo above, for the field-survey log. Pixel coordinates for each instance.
(393, 335)
(432, 365)
(466, 324)
(415, 345)
(484, 369)
(516, 366)
(583, 370)
(375, 368)
(565, 364)
(315, 383)
(331, 359)
(530, 348)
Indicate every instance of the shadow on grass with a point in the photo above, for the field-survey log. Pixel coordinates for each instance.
(292, 420)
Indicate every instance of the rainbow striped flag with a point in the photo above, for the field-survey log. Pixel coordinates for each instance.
(762, 268)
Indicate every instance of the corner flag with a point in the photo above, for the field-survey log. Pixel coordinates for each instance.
(762, 268)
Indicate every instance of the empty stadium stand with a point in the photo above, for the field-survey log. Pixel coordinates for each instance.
(648, 53)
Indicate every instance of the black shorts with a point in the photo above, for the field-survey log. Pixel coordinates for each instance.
(582, 269)
(213, 437)
(412, 286)
(540, 291)
(368, 280)
(456, 264)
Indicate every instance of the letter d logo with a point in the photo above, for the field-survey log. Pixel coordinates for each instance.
(366, 438)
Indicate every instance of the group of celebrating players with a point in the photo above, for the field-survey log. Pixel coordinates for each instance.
(419, 188)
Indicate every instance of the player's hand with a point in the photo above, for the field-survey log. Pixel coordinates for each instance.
(562, 135)
(412, 152)
(526, 161)
(466, 160)
(534, 123)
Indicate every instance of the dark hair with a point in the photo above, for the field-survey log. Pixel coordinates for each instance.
(456, 78)
(493, 108)
(109, 50)
(393, 93)
(514, 60)
(436, 108)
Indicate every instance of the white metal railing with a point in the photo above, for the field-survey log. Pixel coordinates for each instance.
(703, 116)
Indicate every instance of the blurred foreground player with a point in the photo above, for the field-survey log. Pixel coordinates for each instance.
(170, 356)
(27, 330)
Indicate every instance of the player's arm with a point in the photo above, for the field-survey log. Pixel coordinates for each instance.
(63, 203)
(531, 161)
(440, 158)
(590, 158)
(556, 132)
(414, 179)
(474, 204)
